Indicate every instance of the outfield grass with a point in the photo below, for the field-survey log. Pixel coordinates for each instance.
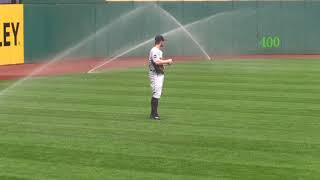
(239, 120)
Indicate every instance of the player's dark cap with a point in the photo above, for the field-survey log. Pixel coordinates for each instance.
(159, 38)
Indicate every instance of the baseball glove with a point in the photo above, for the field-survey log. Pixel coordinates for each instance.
(158, 68)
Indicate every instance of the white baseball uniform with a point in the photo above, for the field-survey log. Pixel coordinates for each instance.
(156, 79)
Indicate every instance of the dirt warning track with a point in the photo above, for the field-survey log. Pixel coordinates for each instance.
(83, 65)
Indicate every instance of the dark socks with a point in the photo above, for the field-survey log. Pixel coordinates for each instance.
(154, 106)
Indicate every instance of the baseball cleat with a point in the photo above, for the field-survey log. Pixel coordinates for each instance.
(155, 117)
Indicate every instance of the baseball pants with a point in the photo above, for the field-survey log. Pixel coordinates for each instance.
(156, 83)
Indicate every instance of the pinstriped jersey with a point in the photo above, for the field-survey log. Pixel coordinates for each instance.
(154, 55)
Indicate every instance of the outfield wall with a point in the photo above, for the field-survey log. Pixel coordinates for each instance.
(246, 27)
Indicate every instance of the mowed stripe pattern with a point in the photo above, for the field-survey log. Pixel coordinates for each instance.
(248, 119)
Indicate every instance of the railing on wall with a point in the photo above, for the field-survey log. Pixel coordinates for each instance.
(10, 1)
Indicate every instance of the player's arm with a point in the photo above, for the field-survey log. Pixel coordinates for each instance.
(163, 62)
(157, 59)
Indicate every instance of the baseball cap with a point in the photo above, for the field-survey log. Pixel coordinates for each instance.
(159, 38)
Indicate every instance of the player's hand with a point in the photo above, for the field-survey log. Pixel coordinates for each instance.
(170, 61)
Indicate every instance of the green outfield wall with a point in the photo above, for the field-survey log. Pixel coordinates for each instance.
(240, 27)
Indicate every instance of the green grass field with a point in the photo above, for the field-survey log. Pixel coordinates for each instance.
(230, 120)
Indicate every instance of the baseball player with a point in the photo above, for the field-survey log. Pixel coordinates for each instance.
(156, 74)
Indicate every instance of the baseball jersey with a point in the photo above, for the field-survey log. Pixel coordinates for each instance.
(154, 55)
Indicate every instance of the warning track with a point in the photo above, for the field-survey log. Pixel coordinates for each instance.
(83, 65)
